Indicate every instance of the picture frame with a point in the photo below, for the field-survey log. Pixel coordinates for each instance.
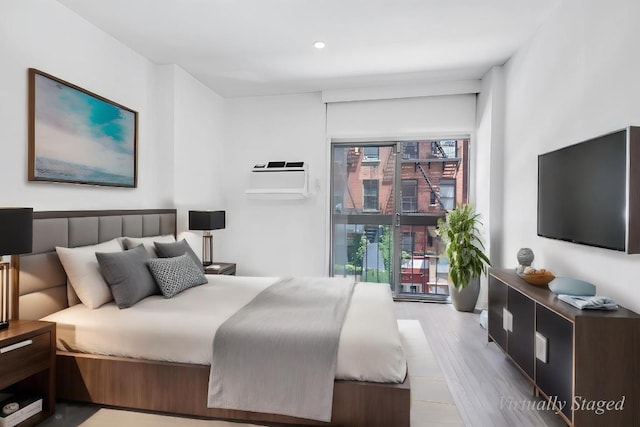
(77, 136)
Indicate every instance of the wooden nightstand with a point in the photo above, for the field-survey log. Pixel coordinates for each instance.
(27, 363)
(223, 268)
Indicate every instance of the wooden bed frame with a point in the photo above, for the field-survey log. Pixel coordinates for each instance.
(179, 388)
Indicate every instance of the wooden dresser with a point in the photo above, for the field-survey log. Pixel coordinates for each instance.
(588, 359)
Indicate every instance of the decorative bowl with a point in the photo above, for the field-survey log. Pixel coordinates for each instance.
(538, 278)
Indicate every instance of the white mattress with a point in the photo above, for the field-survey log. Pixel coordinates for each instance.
(181, 329)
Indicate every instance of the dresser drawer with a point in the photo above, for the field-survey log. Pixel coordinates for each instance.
(22, 358)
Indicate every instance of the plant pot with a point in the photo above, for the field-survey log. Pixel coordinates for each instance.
(465, 299)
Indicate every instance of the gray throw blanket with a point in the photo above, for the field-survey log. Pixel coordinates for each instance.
(278, 353)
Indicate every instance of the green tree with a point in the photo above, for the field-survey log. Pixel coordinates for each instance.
(385, 247)
(360, 252)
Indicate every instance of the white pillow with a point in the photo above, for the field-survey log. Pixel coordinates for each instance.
(132, 242)
(194, 240)
(83, 272)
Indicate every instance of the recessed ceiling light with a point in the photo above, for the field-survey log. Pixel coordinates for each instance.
(319, 45)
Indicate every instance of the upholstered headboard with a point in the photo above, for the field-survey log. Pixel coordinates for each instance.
(42, 280)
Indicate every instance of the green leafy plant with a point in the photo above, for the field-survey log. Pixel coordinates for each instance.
(464, 249)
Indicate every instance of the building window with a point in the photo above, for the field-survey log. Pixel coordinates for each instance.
(409, 195)
(371, 154)
(370, 195)
(448, 193)
(445, 149)
(372, 233)
(410, 150)
(432, 198)
(407, 242)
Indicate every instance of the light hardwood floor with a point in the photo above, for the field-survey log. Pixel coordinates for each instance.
(478, 374)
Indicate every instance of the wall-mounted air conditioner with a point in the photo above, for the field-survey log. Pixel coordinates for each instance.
(279, 180)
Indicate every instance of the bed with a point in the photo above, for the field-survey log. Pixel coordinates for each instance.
(177, 381)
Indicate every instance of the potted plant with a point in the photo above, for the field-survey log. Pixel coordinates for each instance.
(464, 249)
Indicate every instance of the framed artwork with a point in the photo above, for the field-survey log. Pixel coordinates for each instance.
(79, 137)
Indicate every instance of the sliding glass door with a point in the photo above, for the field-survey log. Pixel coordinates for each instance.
(386, 201)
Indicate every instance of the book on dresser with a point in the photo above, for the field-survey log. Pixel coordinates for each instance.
(16, 408)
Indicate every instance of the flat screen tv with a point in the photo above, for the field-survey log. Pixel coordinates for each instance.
(582, 192)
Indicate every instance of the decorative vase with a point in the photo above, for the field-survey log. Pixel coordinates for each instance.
(525, 258)
(466, 298)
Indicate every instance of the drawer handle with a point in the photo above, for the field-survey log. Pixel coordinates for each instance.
(15, 346)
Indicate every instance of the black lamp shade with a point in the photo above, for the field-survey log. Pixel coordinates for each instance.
(16, 231)
(206, 220)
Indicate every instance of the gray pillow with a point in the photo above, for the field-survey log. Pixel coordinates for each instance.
(176, 274)
(127, 275)
(170, 250)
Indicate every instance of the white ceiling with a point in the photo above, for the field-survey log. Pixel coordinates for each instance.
(263, 47)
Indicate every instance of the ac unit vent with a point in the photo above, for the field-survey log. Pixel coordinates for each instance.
(276, 164)
(279, 180)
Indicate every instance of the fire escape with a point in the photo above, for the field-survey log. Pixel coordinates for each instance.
(353, 159)
(388, 173)
(440, 166)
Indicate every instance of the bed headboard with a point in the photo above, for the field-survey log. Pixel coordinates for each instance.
(42, 284)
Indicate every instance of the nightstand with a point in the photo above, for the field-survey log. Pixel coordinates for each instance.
(223, 268)
(27, 364)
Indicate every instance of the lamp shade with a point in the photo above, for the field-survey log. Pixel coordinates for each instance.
(206, 220)
(16, 231)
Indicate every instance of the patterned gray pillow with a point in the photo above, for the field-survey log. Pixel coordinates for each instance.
(176, 274)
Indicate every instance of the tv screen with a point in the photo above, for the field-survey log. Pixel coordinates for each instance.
(581, 192)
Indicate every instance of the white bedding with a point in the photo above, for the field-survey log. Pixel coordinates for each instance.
(181, 329)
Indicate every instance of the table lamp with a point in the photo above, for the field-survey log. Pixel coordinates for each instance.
(207, 221)
(16, 237)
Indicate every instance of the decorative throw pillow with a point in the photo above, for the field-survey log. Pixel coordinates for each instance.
(132, 242)
(127, 275)
(176, 274)
(83, 271)
(170, 250)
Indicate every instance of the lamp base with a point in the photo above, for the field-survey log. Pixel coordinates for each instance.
(4, 324)
(207, 248)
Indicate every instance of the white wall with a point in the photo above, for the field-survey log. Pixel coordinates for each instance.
(45, 35)
(267, 237)
(488, 150)
(198, 149)
(180, 121)
(576, 79)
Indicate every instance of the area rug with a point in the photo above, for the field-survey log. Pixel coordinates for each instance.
(431, 401)
(431, 405)
(112, 417)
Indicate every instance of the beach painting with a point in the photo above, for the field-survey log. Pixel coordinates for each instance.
(79, 137)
